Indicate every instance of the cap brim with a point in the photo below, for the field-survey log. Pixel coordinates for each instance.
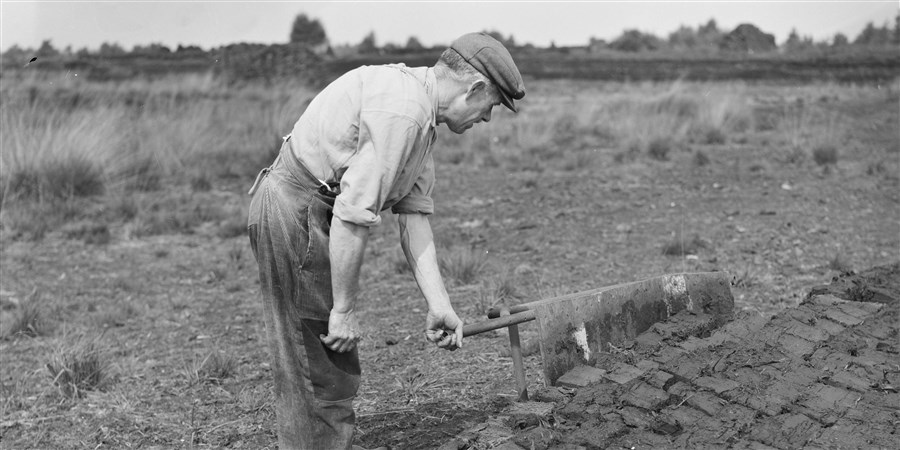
(507, 101)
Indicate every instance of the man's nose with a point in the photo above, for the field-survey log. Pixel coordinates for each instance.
(486, 117)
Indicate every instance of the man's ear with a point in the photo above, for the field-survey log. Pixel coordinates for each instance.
(476, 87)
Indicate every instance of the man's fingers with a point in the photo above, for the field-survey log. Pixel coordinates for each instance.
(435, 336)
(339, 344)
(445, 339)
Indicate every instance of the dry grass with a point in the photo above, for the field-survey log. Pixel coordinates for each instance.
(568, 133)
(499, 289)
(465, 265)
(29, 318)
(839, 263)
(214, 367)
(81, 139)
(680, 245)
(79, 364)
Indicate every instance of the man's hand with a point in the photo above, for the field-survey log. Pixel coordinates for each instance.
(444, 328)
(343, 332)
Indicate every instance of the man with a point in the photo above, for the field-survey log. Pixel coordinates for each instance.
(363, 145)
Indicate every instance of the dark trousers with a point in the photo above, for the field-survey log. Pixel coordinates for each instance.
(289, 225)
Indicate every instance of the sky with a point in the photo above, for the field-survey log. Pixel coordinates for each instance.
(210, 24)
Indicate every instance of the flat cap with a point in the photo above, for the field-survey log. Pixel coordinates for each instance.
(493, 60)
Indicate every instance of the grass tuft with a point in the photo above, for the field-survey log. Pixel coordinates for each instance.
(200, 182)
(235, 225)
(56, 180)
(711, 135)
(839, 263)
(679, 246)
(700, 158)
(27, 319)
(236, 256)
(498, 290)
(78, 365)
(659, 148)
(462, 264)
(746, 278)
(88, 231)
(825, 154)
(213, 368)
(416, 386)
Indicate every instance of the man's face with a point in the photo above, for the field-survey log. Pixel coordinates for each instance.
(473, 107)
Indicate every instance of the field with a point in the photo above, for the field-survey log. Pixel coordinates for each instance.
(130, 310)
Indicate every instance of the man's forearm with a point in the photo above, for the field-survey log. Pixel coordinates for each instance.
(418, 245)
(347, 246)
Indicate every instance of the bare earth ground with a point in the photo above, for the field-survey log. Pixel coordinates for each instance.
(162, 305)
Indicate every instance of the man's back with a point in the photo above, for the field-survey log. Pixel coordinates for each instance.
(326, 136)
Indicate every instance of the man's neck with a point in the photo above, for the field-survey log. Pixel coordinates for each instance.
(448, 89)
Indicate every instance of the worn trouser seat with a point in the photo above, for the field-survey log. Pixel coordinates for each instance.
(314, 387)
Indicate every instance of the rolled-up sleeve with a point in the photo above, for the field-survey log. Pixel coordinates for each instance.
(385, 143)
(419, 201)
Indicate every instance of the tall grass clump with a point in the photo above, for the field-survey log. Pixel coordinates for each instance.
(462, 264)
(499, 289)
(663, 119)
(27, 319)
(808, 131)
(65, 138)
(567, 131)
(51, 154)
(213, 368)
(825, 154)
(79, 365)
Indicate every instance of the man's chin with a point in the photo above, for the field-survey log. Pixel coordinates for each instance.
(462, 129)
(458, 130)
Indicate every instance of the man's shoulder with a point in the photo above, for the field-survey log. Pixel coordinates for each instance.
(396, 88)
(394, 77)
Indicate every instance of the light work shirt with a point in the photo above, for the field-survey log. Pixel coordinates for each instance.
(372, 130)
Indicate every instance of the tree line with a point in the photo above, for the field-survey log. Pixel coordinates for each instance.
(309, 32)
